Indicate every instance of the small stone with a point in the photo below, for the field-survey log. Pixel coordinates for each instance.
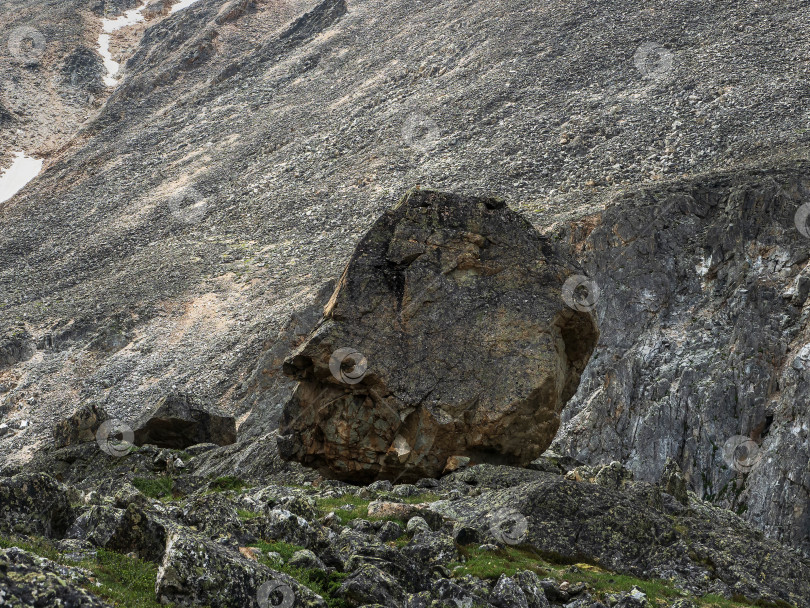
(417, 524)
(381, 486)
(390, 530)
(306, 560)
(454, 463)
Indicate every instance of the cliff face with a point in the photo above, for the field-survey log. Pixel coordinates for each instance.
(187, 227)
(703, 355)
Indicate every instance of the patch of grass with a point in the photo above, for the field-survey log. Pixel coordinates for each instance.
(420, 498)
(286, 550)
(38, 546)
(158, 487)
(325, 585)
(359, 507)
(123, 581)
(244, 514)
(227, 483)
(491, 564)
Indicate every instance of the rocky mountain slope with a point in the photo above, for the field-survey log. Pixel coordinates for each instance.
(187, 224)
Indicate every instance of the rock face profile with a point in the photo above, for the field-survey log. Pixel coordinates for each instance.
(446, 336)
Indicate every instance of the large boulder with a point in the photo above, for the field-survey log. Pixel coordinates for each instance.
(34, 504)
(447, 335)
(180, 420)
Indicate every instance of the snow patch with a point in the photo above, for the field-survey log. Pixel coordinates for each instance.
(22, 170)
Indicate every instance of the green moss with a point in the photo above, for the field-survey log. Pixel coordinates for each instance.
(227, 483)
(159, 487)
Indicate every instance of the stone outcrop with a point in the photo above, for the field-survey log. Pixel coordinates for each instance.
(701, 548)
(705, 342)
(179, 421)
(80, 427)
(447, 336)
(34, 504)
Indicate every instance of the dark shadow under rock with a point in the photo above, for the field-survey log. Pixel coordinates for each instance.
(179, 421)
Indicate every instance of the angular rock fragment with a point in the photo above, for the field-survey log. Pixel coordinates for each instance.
(447, 336)
(34, 504)
(29, 580)
(81, 426)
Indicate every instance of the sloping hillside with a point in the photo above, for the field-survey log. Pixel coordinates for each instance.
(184, 231)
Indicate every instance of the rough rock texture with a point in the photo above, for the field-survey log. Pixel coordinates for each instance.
(705, 342)
(703, 548)
(210, 544)
(30, 581)
(196, 572)
(446, 336)
(79, 427)
(179, 421)
(34, 503)
(541, 103)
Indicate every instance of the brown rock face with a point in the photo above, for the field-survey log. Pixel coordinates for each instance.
(447, 335)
